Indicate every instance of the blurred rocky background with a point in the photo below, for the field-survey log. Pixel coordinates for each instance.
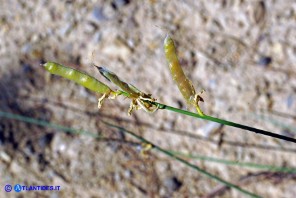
(242, 53)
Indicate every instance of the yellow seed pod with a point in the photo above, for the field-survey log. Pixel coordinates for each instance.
(184, 84)
(140, 100)
(128, 88)
(81, 78)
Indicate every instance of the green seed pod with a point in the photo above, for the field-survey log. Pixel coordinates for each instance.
(184, 84)
(79, 77)
(128, 88)
(139, 99)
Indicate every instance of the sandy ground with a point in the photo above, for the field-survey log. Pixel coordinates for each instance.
(242, 53)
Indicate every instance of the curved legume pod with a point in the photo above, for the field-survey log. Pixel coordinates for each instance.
(128, 88)
(79, 77)
(184, 84)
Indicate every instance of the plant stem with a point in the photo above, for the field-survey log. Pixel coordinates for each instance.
(236, 163)
(168, 153)
(218, 120)
(229, 123)
(172, 155)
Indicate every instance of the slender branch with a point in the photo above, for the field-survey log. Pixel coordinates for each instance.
(166, 152)
(236, 163)
(218, 120)
(229, 123)
(172, 155)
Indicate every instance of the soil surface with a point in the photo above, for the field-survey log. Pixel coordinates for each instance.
(242, 53)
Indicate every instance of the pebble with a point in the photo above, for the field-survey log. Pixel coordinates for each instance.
(65, 30)
(278, 50)
(27, 48)
(116, 4)
(27, 68)
(259, 12)
(117, 50)
(29, 149)
(128, 174)
(45, 140)
(98, 15)
(172, 183)
(209, 128)
(15, 168)
(265, 60)
(83, 92)
(5, 157)
(212, 84)
(57, 144)
(97, 37)
(90, 27)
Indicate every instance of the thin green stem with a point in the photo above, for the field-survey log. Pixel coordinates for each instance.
(168, 153)
(235, 163)
(172, 155)
(229, 123)
(45, 124)
(192, 156)
(275, 122)
(218, 120)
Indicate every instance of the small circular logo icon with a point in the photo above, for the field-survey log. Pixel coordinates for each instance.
(8, 188)
(17, 188)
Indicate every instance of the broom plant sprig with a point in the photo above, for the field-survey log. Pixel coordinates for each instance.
(142, 100)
